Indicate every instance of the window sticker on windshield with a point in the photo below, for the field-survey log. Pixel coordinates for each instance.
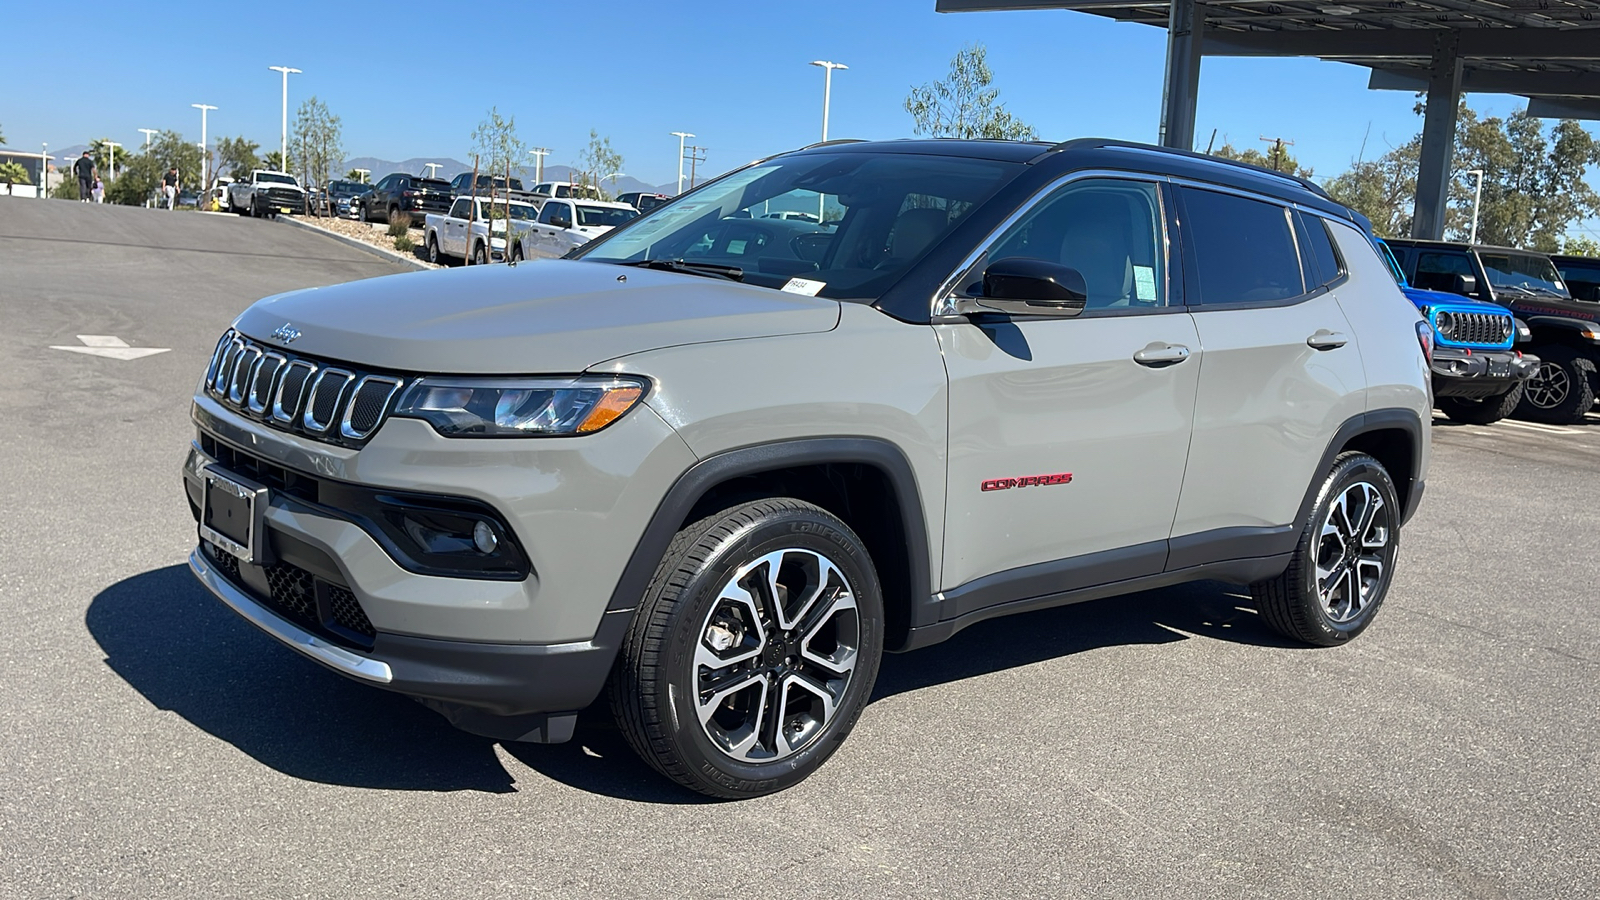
(804, 286)
(735, 248)
(1144, 283)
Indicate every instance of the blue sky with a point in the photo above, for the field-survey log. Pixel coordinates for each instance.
(734, 73)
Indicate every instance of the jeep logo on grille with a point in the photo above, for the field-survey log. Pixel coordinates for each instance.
(286, 333)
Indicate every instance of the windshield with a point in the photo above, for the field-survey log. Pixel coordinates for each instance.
(346, 188)
(274, 178)
(1517, 271)
(603, 216)
(855, 222)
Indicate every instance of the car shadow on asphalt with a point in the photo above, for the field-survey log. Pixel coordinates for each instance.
(188, 654)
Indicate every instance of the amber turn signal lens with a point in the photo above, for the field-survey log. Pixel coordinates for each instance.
(616, 402)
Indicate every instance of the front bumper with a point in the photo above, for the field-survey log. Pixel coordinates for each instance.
(504, 691)
(1477, 374)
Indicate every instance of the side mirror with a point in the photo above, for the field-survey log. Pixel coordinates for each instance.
(1029, 287)
(560, 222)
(1466, 285)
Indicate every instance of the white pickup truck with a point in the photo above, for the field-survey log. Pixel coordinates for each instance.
(267, 193)
(565, 224)
(446, 235)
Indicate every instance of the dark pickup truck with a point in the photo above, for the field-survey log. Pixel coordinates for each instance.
(1565, 331)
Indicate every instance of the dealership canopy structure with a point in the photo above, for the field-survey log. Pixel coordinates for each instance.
(1545, 50)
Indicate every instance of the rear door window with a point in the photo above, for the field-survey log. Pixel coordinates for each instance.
(1244, 249)
(1437, 270)
(1325, 266)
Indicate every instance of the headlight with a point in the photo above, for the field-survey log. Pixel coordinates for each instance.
(1446, 324)
(519, 407)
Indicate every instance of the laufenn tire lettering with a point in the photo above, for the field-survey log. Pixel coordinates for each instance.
(1006, 484)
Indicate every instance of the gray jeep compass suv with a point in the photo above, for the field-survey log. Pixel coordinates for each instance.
(719, 461)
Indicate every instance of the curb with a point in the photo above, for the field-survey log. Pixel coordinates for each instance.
(387, 255)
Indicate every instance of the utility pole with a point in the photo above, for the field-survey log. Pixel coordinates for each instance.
(113, 145)
(696, 156)
(538, 154)
(205, 158)
(1276, 154)
(283, 145)
(681, 135)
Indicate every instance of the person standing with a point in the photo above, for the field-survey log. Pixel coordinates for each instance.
(87, 175)
(99, 191)
(169, 187)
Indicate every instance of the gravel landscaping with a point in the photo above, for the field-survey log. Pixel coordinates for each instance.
(374, 233)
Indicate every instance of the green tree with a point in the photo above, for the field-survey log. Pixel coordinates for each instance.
(1534, 187)
(496, 145)
(318, 136)
(275, 162)
(1277, 158)
(100, 150)
(965, 105)
(1382, 189)
(237, 156)
(135, 183)
(597, 161)
(355, 175)
(12, 172)
(1581, 245)
(66, 190)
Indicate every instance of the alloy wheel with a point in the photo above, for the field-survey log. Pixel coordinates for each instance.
(1351, 551)
(1549, 386)
(775, 655)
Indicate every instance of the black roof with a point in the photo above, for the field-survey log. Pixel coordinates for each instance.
(1107, 153)
(1459, 245)
(1579, 260)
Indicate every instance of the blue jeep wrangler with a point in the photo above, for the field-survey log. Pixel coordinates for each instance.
(1477, 375)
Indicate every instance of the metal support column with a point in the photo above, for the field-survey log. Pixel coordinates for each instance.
(1181, 89)
(1438, 138)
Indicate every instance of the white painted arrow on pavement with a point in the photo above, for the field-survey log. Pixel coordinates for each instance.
(110, 347)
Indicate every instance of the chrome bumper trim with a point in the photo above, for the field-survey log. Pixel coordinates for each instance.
(330, 655)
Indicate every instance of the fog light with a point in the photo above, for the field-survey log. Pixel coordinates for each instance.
(484, 538)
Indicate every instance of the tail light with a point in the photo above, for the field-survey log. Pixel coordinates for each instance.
(1425, 338)
(406, 193)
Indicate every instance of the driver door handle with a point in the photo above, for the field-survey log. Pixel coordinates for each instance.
(1157, 354)
(1327, 340)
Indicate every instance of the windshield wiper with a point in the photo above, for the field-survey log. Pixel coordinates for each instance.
(1541, 289)
(732, 273)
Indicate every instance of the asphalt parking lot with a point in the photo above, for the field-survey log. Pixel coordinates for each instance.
(152, 744)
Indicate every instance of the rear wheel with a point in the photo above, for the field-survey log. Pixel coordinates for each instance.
(480, 256)
(754, 651)
(516, 252)
(1561, 390)
(433, 250)
(1481, 412)
(1344, 560)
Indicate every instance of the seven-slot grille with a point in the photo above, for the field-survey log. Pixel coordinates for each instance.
(323, 401)
(1480, 328)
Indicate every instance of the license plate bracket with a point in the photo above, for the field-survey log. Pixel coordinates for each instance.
(233, 514)
(1499, 368)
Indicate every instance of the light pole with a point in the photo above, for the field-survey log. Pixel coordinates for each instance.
(681, 136)
(613, 176)
(205, 158)
(1477, 195)
(283, 146)
(538, 154)
(113, 145)
(147, 133)
(432, 167)
(827, 89)
(44, 170)
(363, 173)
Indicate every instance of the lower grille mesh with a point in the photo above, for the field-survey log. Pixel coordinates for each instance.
(329, 609)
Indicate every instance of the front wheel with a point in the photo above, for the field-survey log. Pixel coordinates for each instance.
(1561, 390)
(1344, 561)
(516, 253)
(1481, 412)
(433, 250)
(480, 256)
(754, 650)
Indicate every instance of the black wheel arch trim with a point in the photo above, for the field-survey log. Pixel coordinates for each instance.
(1561, 323)
(1373, 420)
(706, 474)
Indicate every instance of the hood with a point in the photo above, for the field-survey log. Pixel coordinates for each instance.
(546, 316)
(1422, 297)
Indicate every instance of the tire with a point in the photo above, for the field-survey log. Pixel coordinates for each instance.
(388, 217)
(1561, 390)
(255, 208)
(1481, 412)
(711, 588)
(433, 250)
(480, 256)
(1304, 605)
(516, 253)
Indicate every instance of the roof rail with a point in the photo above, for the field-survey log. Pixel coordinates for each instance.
(1113, 144)
(834, 141)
